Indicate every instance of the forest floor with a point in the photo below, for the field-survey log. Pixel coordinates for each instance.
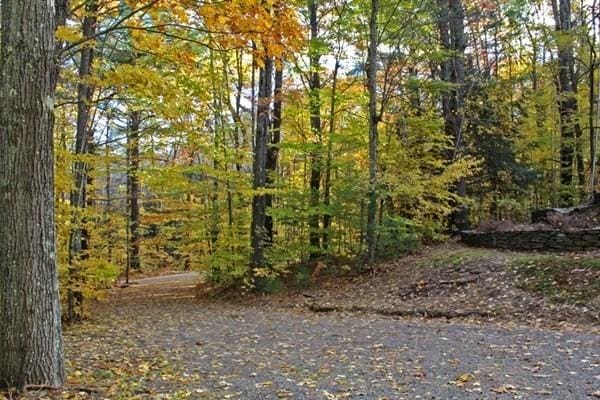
(364, 337)
(545, 290)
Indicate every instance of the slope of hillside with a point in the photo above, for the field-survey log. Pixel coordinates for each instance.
(453, 281)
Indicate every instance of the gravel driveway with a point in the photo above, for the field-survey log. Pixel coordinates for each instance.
(261, 353)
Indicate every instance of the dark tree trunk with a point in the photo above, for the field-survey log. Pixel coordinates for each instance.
(60, 18)
(30, 328)
(133, 186)
(79, 238)
(273, 149)
(567, 103)
(316, 131)
(253, 98)
(446, 66)
(108, 194)
(259, 204)
(457, 32)
(452, 35)
(327, 217)
(218, 141)
(373, 134)
(591, 103)
(239, 135)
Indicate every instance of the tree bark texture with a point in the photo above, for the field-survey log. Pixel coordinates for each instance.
(316, 131)
(261, 142)
(373, 134)
(133, 185)
(591, 102)
(30, 316)
(79, 238)
(327, 217)
(567, 102)
(273, 148)
(452, 37)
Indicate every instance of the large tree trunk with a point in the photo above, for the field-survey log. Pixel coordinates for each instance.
(327, 217)
(218, 141)
(133, 186)
(446, 67)
(373, 134)
(273, 149)
(108, 194)
(457, 30)
(452, 35)
(30, 328)
(567, 102)
(79, 238)
(314, 97)
(592, 114)
(259, 204)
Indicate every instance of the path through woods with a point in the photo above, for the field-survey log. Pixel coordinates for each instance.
(155, 340)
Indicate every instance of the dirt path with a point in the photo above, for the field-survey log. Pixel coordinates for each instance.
(182, 279)
(154, 340)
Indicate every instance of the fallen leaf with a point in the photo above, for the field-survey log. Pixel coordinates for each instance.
(504, 389)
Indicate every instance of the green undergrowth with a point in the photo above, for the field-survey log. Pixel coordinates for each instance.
(305, 274)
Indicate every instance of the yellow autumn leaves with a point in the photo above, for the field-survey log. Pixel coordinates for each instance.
(272, 26)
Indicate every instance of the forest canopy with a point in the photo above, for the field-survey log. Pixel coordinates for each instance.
(243, 137)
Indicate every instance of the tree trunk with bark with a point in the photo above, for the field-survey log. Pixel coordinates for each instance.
(314, 97)
(273, 148)
(373, 134)
(452, 35)
(30, 327)
(79, 237)
(567, 102)
(592, 111)
(133, 190)
(261, 141)
(327, 217)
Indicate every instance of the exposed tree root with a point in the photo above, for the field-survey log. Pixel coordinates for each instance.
(37, 388)
(414, 312)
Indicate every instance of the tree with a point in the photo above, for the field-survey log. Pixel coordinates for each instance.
(452, 35)
(79, 239)
(373, 134)
(314, 95)
(261, 143)
(567, 100)
(133, 191)
(30, 329)
(273, 148)
(593, 66)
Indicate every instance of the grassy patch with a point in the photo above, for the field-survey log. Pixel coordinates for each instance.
(561, 278)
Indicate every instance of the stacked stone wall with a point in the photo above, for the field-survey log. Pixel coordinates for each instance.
(541, 240)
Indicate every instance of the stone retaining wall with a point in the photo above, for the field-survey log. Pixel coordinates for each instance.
(574, 240)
